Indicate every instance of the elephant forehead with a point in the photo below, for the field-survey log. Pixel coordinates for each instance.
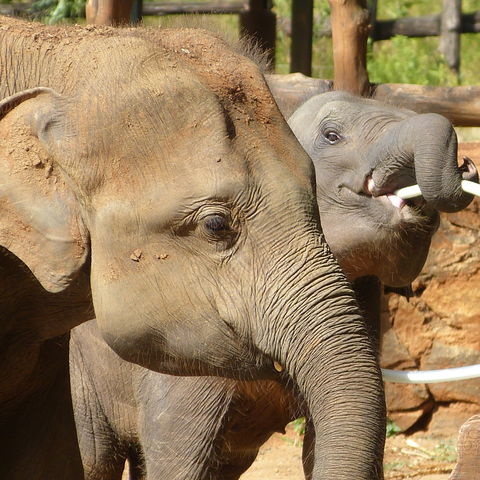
(154, 107)
(362, 110)
(156, 125)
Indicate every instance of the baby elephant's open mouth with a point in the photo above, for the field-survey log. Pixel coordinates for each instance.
(395, 200)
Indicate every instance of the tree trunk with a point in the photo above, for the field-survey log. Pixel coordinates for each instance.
(350, 29)
(108, 12)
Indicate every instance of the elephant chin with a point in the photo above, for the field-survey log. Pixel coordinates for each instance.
(395, 257)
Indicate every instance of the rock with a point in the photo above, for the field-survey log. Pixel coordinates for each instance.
(394, 354)
(448, 418)
(400, 396)
(447, 356)
(407, 419)
(410, 323)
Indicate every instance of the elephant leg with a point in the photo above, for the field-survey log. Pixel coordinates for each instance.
(103, 451)
(206, 428)
(181, 421)
(103, 455)
(468, 464)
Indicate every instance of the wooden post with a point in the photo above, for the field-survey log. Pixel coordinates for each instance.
(350, 29)
(136, 11)
(373, 17)
(108, 12)
(302, 34)
(260, 24)
(451, 25)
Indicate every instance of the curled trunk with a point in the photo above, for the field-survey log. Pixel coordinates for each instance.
(423, 149)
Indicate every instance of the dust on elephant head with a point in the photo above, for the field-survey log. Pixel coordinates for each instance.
(364, 150)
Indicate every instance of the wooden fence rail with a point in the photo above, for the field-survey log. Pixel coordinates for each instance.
(461, 105)
(423, 26)
(154, 8)
(161, 9)
(257, 19)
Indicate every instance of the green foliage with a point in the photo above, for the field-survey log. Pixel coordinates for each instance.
(299, 426)
(417, 60)
(408, 60)
(392, 428)
(399, 60)
(56, 11)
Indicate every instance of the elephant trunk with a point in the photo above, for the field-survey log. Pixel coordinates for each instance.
(326, 349)
(424, 148)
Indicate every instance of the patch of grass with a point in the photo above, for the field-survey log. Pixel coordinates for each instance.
(394, 466)
(446, 451)
(299, 426)
(408, 60)
(392, 428)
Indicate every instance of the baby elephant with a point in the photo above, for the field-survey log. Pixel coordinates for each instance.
(197, 428)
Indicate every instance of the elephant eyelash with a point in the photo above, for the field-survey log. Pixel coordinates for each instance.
(196, 220)
(332, 136)
(322, 139)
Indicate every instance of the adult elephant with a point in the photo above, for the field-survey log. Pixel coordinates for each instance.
(210, 428)
(150, 177)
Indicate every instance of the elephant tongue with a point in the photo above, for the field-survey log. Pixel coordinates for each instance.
(394, 200)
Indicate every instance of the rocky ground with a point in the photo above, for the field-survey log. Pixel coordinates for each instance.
(422, 456)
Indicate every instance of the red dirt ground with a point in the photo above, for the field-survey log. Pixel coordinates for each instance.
(419, 457)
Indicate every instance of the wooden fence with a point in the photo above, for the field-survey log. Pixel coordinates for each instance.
(352, 23)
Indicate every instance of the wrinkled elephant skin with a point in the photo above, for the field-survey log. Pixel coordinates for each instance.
(196, 428)
(147, 164)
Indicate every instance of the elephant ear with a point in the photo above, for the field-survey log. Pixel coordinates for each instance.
(39, 214)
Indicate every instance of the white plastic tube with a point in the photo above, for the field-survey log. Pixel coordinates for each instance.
(447, 374)
(471, 187)
(408, 192)
(414, 190)
(431, 376)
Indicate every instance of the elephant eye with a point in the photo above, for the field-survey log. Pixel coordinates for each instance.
(332, 136)
(216, 224)
(219, 228)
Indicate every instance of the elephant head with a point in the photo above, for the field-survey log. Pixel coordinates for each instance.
(159, 173)
(363, 151)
